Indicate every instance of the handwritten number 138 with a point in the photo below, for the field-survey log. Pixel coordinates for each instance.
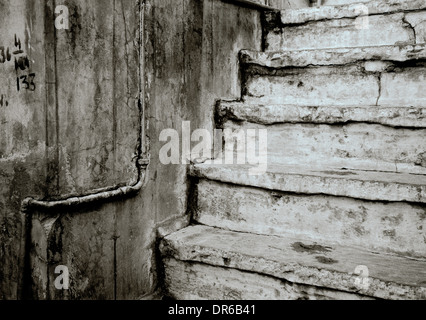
(27, 82)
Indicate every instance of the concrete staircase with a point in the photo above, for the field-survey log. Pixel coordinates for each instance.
(341, 211)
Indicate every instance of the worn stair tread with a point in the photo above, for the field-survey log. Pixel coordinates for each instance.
(268, 114)
(353, 10)
(367, 185)
(299, 261)
(333, 56)
(396, 227)
(198, 281)
(376, 23)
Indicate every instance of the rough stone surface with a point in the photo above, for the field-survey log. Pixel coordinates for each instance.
(194, 281)
(345, 187)
(354, 146)
(318, 86)
(22, 136)
(79, 130)
(336, 56)
(404, 87)
(299, 261)
(382, 227)
(274, 114)
(349, 9)
(366, 185)
(365, 83)
(340, 33)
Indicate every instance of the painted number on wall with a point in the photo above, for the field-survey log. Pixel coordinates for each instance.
(5, 55)
(24, 80)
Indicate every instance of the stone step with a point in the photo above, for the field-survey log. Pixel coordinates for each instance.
(373, 23)
(352, 146)
(196, 281)
(412, 117)
(286, 267)
(364, 83)
(391, 227)
(365, 185)
(348, 9)
(336, 56)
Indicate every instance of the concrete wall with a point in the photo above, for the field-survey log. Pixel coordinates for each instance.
(79, 130)
(22, 138)
(70, 115)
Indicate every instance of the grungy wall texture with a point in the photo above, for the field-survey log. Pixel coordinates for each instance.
(22, 122)
(123, 67)
(62, 133)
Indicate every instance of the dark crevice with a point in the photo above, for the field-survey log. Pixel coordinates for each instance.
(379, 81)
(115, 262)
(347, 123)
(114, 89)
(254, 69)
(223, 115)
(410, 27)
(227, 114)
(250, 4)
(192, 201)
(255, 66)
(25, 288)
(160, 285)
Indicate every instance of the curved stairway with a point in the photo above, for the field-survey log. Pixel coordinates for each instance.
(340, 212)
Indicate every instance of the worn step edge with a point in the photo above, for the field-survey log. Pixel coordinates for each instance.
(365, 185)
(301, 262)
(328, 57)
(197, 281)
(408, 117)
(354, 10)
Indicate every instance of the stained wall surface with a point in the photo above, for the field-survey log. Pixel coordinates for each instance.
(92, 100)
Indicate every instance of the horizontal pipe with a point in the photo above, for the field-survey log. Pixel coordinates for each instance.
(76, 201)
(29, 204)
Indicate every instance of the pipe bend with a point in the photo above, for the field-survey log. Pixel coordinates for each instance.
(30, 203)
